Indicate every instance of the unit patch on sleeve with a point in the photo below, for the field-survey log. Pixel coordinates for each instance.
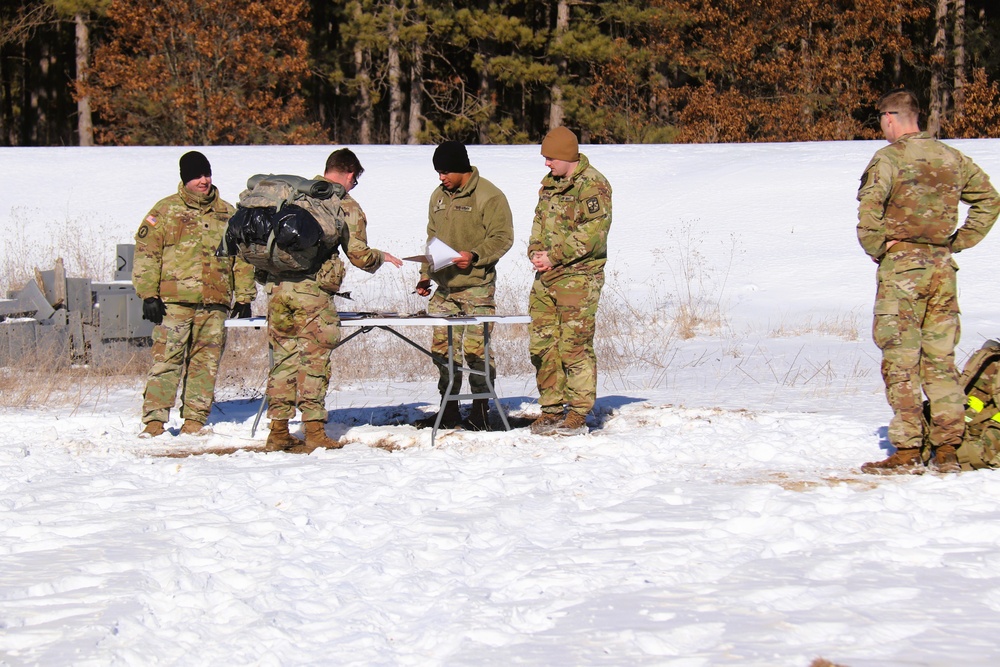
(143, 231)
(593, 205)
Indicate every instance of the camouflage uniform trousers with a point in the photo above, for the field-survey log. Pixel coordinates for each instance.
(916, 325)
(563, 322)
(302, 328)
(468, 340)
(186, 346)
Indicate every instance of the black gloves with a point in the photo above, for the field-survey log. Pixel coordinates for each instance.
(153, 309)
(241, 311)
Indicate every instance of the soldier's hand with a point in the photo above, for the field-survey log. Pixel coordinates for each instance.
(392, 259)
(424, 287)
(464, 260)
(241, 311)
(540, 260)
(153, 309)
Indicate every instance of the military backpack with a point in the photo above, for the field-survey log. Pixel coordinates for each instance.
(980, 380)
(284, 225)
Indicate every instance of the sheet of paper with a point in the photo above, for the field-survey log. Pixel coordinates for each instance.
(437, 253)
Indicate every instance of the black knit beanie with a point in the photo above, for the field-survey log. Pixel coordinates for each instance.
(194, 165)
(451, 157)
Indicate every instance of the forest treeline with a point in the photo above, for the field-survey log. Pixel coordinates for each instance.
(203, 72)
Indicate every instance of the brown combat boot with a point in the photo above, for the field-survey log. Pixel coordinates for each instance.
(547, 423)
(279, 439)
(902, 462)
(574, 424)
(192, 427)
(479, 418)
(945, 459)
(153, 429)
(316, 436)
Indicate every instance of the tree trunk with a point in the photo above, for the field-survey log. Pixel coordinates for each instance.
(416, 95)
(486, 103)
(557, 111)
(939, 58)
(84, 121)
(364, 99)
(395, 85)
(959, 86)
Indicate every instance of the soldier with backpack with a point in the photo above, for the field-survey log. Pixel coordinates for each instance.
(299, 264)
(908, 212)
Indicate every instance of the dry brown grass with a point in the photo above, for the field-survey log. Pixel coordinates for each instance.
(638, 328)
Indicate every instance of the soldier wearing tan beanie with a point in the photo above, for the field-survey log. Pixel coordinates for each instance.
(560, 144)
(568, 249)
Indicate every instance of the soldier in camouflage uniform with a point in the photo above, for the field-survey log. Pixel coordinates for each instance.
(568, 249)
(187, 292)
(472, 216)
(909, 198)
(303, 325)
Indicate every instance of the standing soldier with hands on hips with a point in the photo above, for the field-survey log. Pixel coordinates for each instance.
(568, 249)
(186, 292)
(909, 199)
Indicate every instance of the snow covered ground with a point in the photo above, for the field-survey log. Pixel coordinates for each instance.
(713, 515)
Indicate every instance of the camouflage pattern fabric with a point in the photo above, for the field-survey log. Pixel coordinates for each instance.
(187, 347)
(916, 325)
(474, 219)
(910, 194)
(175, 253)
(572, 221)
(911, 190)
(571, 224)
(468, 341)
(357, 250)
(175, 261)
(561, 342)
(303, 327)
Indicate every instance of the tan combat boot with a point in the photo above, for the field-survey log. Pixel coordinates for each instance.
(945, 459)
(153, 429)
(574, 424)
(279, 439)
(547, 423)
(902, 462)
(479, 418)
(316, 437)
(192, 427)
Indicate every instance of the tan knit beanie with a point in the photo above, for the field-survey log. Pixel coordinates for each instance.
(560, 144)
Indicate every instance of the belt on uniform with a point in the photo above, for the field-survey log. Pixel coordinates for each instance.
(912, 245)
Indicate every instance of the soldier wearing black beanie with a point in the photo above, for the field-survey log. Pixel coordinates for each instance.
(194, 165)
(452, 158)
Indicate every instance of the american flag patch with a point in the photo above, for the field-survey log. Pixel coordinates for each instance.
(151, 219)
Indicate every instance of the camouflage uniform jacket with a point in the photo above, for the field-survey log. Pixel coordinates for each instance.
(474, 219)
(572, 221)
(175, 253)
(910, 191)
(354, 239)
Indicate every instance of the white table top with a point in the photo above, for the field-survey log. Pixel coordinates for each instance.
(357, 320)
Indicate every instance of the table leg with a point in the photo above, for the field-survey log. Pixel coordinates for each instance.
(451, 381)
